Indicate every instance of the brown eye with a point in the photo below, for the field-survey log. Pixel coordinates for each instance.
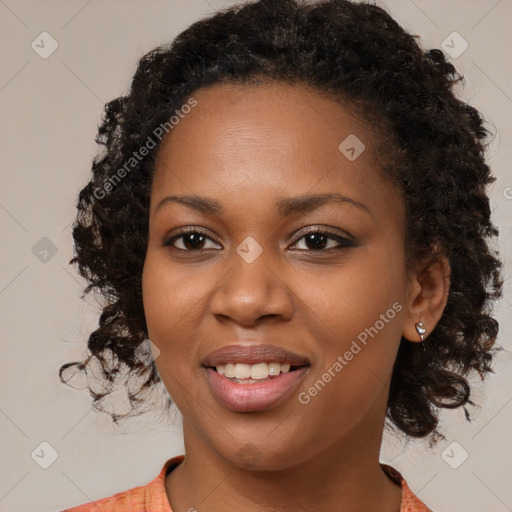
(317, 240)
(190, 240)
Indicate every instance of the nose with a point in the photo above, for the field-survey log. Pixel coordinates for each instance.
(251, 292)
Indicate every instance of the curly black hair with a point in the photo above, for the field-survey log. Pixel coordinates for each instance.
(432, 147)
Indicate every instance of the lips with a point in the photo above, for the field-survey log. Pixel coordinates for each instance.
(253, 354)
(249, 395)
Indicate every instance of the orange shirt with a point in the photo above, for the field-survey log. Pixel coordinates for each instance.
(153, 498)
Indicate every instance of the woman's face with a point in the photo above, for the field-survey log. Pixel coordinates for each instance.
(253, 274)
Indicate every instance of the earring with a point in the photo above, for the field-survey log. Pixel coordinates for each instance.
(421, 330)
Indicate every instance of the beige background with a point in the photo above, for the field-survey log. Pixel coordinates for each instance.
(50, 111)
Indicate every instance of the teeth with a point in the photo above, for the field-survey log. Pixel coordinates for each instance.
(229, 370)
(258, 371)
(242, 371)
(251, 371)
(274, 369)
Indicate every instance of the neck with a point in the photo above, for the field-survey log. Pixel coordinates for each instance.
(344, 477)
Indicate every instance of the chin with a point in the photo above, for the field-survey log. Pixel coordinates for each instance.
(262, 455)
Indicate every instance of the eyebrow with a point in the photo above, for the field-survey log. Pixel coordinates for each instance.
(286, 207)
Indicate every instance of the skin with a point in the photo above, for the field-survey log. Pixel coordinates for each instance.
(247, 148)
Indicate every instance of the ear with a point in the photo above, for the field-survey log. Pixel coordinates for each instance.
(428, 287)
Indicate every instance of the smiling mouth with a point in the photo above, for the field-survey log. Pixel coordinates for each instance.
(242, 373)
(249, 377)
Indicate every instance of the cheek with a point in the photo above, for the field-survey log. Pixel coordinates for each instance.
(162, 311)
(173, 306)
(169, 298)
(352, 379)
(346, 301)
(361, 313)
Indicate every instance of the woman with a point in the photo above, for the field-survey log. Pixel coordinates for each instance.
(291, 206)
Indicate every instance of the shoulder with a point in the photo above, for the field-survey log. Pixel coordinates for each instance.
(410, 502)
(133, 499)
(150, 497)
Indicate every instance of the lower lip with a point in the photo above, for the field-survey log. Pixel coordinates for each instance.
(254, 397)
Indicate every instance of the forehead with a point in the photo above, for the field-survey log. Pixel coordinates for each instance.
(291, 119)
(267, 141)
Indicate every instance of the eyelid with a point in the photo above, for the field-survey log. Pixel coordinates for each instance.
(343, 239)
(325, 230)
(186, 230)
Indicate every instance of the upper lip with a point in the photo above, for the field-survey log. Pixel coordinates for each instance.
(253, 354)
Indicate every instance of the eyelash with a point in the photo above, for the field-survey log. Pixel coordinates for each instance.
(344, 242)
